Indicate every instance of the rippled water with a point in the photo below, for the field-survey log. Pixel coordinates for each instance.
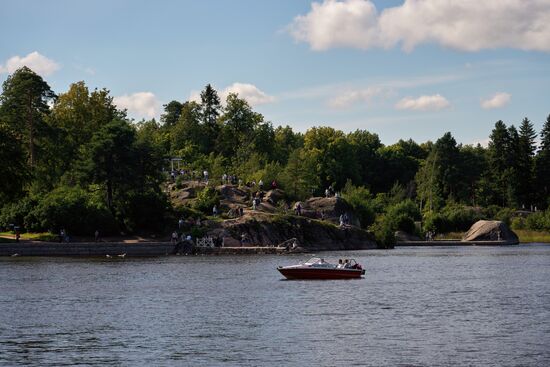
(485, 306)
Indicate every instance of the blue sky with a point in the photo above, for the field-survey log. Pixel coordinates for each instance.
(401, 69)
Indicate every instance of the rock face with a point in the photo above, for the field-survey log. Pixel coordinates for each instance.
(402, 236)
(328, 208)
(268, 230)
(490, 230)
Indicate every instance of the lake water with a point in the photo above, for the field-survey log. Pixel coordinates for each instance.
(482, 306)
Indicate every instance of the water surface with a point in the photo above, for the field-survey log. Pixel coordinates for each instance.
(486, 306)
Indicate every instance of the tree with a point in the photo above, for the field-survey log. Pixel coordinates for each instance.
(299, 177)
(542, 166)
(498, 163)
(128, 170)
(238, 125)
(24, 105)
(15, 172)
(525, 160)
(172, 113)
(210, 110)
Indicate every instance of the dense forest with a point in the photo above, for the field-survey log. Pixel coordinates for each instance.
(74, 160)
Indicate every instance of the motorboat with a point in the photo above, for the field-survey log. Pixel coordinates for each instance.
(318, 268)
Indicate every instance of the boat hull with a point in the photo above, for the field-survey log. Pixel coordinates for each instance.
(316, 273)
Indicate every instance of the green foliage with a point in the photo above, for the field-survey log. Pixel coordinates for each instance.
(407, 208)
(16, 212)
(452, 218)
(384, 231)
(539, 221)
(206, 199)
(360, 199)
(72, 209)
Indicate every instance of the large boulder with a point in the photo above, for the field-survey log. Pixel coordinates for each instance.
(263, 229)
(274, 196)
(490, 230)
(328, 209)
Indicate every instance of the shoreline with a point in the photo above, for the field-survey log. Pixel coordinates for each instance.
(456, 243)
(134, 249)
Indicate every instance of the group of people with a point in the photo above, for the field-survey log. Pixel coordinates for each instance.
(329, 192)
(344, 220)
(430, 236)
(175, 238)
(344, 264)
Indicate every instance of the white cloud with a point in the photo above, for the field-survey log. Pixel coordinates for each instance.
(468, 25)
(139, 105)
(483, 142)
(497, 101)
(246, 91)
(38, 63)
(250, 92)
(423, 103)
(353, 96)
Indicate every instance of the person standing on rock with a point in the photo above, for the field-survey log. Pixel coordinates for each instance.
(174, 237)
(261, 184)
(215, 211)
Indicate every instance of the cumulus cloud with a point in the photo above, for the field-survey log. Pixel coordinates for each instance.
(351, 97)
(250, 92)
(139, 105)
(497, 101)
(423, 103)
(467, 25)
(246, 91)
(37, 62)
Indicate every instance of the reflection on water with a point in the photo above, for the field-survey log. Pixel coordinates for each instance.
(416, 306)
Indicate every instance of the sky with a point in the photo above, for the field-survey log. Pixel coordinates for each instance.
(400, 69)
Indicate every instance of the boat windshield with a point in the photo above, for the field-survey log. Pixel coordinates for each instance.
(313, 260)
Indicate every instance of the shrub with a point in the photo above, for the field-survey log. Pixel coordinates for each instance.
(72, 209)
(518, 223)
(505, 215)
(539, 221)
(405, 208)
(384, 232)
(16, 212)
(360, 200)
(206, 199)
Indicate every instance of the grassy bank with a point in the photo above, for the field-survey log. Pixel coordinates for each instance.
(532, 236)
(525, 236)
(9, 236)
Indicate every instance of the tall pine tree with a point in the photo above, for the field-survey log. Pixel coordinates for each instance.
(24, 104)
(542, 166)
(525, 168)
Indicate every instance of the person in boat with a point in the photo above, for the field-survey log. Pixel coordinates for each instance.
(340, 264)
(347, 264)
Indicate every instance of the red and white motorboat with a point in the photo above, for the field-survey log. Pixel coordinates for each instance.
(317, 268)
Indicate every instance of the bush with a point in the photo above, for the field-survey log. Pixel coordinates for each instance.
(72, 209)
(518, 223)
(16, 212)
(452, 218)
(405, 208)
(539, 221)
(360, 200)
(179, 182)
(505, 215)
(206, 199)
(384, 232)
